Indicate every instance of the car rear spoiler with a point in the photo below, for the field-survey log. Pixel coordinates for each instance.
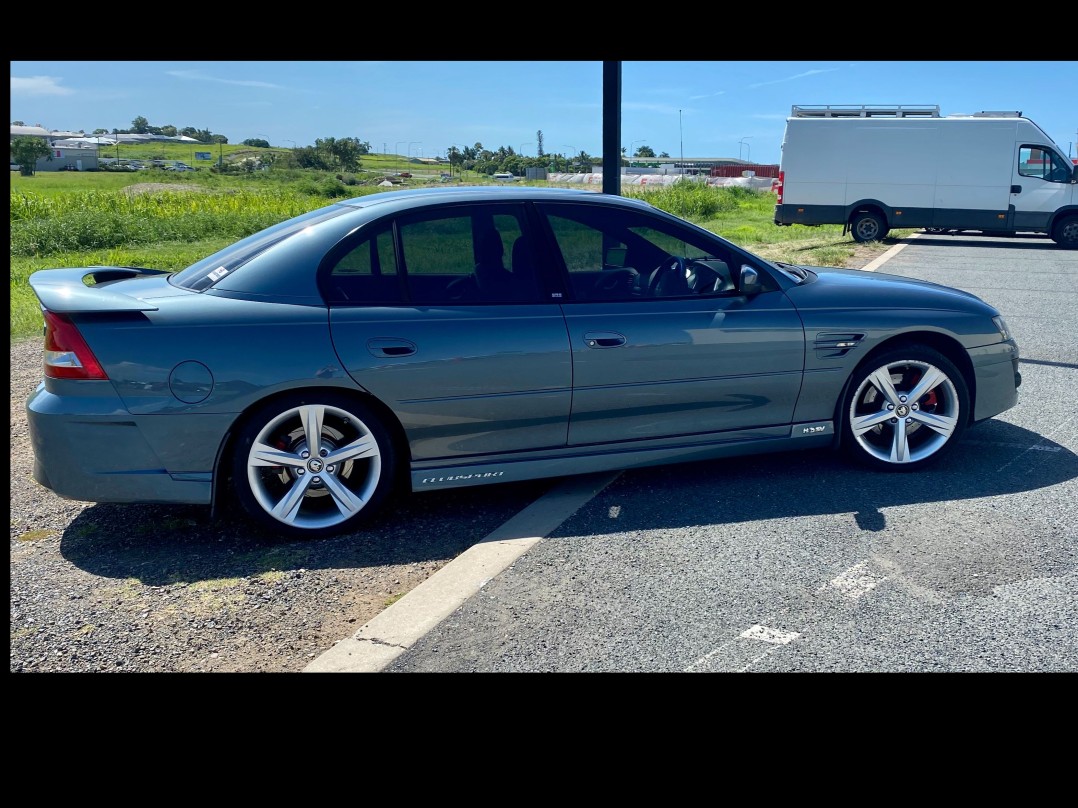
(66, 290)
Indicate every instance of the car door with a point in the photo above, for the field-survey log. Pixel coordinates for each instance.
(437, 318)
(663, 347)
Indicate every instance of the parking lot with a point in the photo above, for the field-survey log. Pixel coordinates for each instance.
(798, 562)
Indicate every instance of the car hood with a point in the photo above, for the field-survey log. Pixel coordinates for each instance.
(857, 288)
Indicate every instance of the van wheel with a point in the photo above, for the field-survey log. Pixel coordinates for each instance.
(1065, 233)
(867, 226)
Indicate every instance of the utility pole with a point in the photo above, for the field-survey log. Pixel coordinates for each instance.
(681, 134)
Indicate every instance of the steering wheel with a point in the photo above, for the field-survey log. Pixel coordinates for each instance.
(673, 263)
(615, 281)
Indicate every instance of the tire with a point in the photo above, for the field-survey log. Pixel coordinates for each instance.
(886, 428)
(866, 226)
(283, 488)
(1065, 233)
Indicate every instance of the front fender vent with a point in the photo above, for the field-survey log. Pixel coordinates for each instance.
(830, 345)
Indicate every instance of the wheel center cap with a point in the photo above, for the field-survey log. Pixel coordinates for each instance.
(902, 410)
(315, 464)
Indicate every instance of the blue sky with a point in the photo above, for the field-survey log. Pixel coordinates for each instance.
(421, 108)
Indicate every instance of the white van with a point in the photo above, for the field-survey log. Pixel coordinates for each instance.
(874, 168)
(504, 176)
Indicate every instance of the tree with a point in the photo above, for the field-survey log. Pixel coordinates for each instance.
(101, 131)
(645, 151)
(17, 123)
(140, 126)
(539, 143)
(339, 153)
(257, 142)
(26, 151)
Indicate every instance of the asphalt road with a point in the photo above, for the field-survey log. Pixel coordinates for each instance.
(800, 562)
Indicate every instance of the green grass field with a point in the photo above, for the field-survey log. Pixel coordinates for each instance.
(74, 219)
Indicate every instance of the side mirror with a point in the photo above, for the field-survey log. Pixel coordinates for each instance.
(749, 281)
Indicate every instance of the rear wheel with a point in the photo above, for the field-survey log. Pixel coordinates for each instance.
(867, 226)
(905, 409)
(313, 465)
(1065, 232)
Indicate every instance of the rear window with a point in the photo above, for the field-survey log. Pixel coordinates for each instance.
(206, 273)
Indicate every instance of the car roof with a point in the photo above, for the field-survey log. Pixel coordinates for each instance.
(418, 197)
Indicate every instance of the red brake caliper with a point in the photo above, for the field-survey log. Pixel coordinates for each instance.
(929, 398)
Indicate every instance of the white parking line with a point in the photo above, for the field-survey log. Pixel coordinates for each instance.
(856, 581)
(879, 261)
(771, 635)
(394, 630)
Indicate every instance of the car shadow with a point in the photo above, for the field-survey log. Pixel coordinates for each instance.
(998, 241)
(993, 459)
(159, 545)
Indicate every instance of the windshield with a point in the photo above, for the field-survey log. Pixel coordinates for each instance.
(204, 274)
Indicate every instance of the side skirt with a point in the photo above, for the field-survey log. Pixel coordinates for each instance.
(452, 472)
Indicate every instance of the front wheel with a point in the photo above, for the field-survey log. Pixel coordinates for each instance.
(905, 409)
(312, 465)
(1065, 233)
(867, 226)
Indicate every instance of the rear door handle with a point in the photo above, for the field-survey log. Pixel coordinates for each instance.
(1016, 189)
(603, 339)
(390, 346)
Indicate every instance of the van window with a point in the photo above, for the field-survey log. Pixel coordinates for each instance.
(1034, 161)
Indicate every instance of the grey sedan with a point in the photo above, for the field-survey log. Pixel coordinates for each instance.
(414, 340)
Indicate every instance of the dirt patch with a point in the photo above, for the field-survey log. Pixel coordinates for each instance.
(158, 187)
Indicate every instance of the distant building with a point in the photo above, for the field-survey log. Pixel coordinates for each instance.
(76, 151)
(694, 166)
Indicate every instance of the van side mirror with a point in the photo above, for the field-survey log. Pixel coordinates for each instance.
(749, 281)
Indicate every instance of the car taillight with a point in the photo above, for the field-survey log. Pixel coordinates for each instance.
(778, 185)
(67, 356)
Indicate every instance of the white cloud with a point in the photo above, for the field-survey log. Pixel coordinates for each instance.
(198, 75)
(38, 85)
(708, 95)
(806, 74)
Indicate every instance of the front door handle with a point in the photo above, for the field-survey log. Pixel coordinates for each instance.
(603, 339)
(390, 346)
(1016, 189)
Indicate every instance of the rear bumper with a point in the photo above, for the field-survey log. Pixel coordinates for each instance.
(90, 448)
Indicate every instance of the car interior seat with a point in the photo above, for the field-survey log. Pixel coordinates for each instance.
(493, 278)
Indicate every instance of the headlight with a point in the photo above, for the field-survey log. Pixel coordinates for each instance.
(1001, 324)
